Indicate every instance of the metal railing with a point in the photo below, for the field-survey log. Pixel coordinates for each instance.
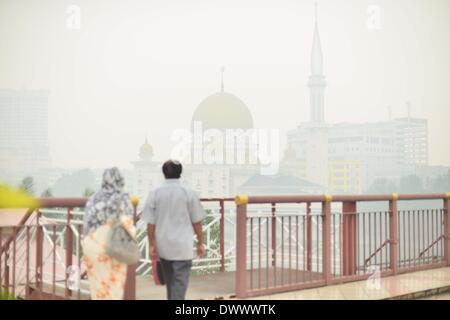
(298, 242)
(42, 255)
(273, 243)
(220, 248)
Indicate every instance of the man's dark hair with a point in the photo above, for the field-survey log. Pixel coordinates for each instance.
(172, 169)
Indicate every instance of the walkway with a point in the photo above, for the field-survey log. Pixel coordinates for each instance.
(404, 286)
(218, 285)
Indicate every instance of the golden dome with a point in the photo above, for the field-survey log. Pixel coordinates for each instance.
(146, 151)
(223, 111)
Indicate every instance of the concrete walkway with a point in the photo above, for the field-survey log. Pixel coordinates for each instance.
(404, 286)
(421, 284)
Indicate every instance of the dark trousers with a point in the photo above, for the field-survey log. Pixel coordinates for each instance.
(176, 275)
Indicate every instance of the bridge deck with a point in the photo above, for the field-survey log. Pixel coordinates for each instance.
(412, 285)
(428, 284)
(218, 285)
(404, 286)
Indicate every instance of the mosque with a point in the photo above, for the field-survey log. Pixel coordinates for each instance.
(319, 157)
(223, 111)
(220, 111)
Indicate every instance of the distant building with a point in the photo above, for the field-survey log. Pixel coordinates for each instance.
(320, 157)
(219, 112)
(146, 172)
(24, 143)
(348, 157)
(412, 140)
(359, 153)
(278, 184)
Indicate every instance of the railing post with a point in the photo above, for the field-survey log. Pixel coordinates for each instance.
(69, 250)
(274, 235)
(39, 253)
(130, 281)
(447, 228)
(393, 232)
(308, 237)
(222, 235)
(349, 238)
(326, 239)
(27, 267)
(241, 246)
(6, 271)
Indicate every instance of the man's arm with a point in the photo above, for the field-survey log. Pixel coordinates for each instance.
(151, 239)
(199, 232)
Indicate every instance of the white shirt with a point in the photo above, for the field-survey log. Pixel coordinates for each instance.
(173, 208)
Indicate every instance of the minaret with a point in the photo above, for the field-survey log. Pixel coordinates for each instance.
(408, 109)
(316, 81)
(222, 87)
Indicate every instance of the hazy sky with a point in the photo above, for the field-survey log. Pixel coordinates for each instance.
(142, 67)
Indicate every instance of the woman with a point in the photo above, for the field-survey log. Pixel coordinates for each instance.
(106, 275)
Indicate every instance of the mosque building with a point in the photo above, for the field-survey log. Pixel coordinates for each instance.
(146, 172)
(220, 111)
(319, 157)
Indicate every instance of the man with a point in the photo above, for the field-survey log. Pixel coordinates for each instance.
(173, 212)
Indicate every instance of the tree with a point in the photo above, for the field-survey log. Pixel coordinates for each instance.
(442, 183)
(47, 193)
(410, 184)
(75, 184)
(88, 192)
(27, 185)
(382, 186)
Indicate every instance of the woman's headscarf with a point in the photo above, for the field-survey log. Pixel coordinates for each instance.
(108, 202)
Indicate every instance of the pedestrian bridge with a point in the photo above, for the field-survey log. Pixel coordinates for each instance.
(257, 246)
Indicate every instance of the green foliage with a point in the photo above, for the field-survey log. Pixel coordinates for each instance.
(75, 184)
(27, 185)
(88, 192)
(214, 244)
(381, 186)
(411, 184)
(47, 193)
(7, 296)
(441, 183)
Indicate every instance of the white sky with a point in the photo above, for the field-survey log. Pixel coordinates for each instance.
(142, 67)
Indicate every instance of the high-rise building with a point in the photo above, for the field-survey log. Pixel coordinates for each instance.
(412, 140)
(348, 157)
(24, 143)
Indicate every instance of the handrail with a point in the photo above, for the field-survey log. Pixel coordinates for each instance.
(62, 202)
(44, 203)
(21, 223)
(138, 215)
(385, 243)
(69, 203)
(350, 236)
(343, 198)
(431, 245)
